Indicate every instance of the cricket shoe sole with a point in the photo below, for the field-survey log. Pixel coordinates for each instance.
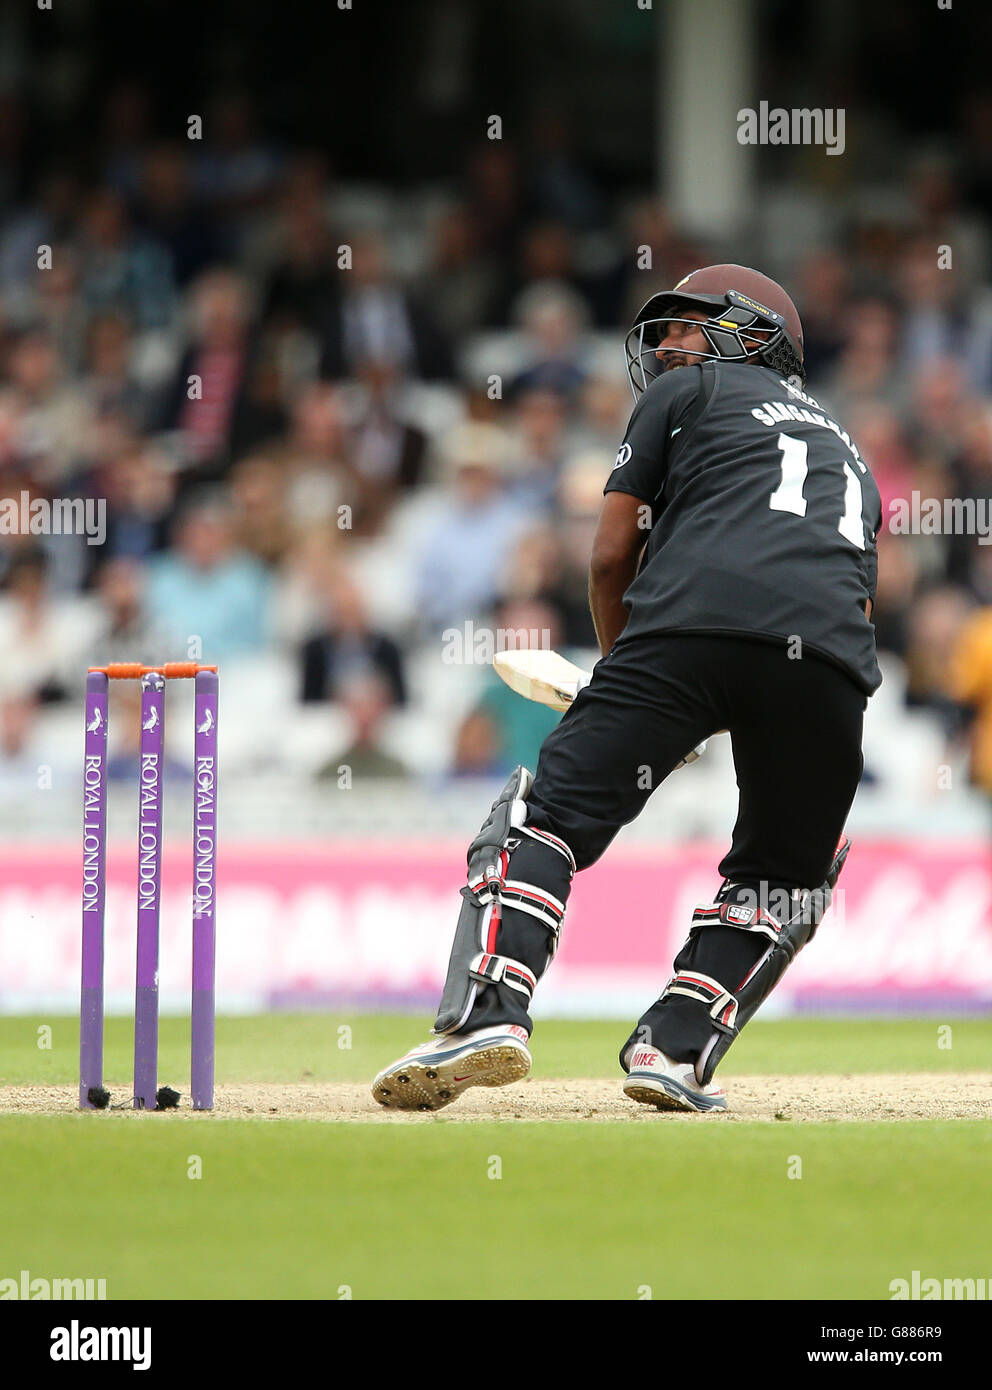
(434, 1074)
(655, 1080)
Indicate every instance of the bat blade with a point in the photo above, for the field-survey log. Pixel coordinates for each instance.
(540, 675)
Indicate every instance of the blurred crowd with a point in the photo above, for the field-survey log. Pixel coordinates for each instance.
(336, 423)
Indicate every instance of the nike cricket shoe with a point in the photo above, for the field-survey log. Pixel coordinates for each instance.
(654, 1079)
(434, 1074)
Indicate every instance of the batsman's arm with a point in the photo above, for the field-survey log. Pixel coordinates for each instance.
(620, 537)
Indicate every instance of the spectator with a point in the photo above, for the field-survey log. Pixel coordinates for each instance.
(16, 542)
(366, 700)
(604, 409)
(346, 646)
(942, 221)
(939, 403)
(49, 221)
(461, 280)
(538, 449)
(821, 300)
(656, 253)
(124, 633)
(387, 451)
(139, 489)
(980, 573)
(532, 565)
(21, 757)
(206, 589)
(303, 282)
(546, 256)
(108, 380)
(935, 625)
(315, 456)
(121, 269)
(169, 212)
(580, 497)
(495, 196)
(52, 412)
(938, 322)
(375, 319)
(969, 685)
(43, 641)
(970, 478)
(561, 182)
(306, 576)
(258, 494)
(552, 317)
(976, 150)
(897, 579)
(459, 565)
(262, 416)
(206, 402)
(59, 306)
(476, 752)
(866, 369)
(239, 167)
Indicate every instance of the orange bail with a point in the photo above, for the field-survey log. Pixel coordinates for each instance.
(133, 670)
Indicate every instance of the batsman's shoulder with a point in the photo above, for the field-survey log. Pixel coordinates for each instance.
(672, 388)
(666, 400)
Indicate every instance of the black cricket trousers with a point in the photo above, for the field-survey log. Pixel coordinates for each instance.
(795, 727)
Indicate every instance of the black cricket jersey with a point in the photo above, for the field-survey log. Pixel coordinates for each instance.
(763, 515)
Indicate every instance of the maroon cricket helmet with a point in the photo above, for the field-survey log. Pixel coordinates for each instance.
(738, 301)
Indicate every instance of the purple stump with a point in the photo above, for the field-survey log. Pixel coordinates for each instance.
(94, 888)
(204, 889)
(149, 890)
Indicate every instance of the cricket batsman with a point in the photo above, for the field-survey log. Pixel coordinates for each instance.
(731, 583)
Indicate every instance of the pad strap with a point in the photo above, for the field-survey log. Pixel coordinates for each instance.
(492, 886)
(546, 838)
(537, 902)
(721, 1004)
(489, 969)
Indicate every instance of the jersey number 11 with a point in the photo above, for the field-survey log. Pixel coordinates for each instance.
(788, 496)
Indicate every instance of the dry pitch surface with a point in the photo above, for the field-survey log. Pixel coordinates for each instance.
(913, 1096)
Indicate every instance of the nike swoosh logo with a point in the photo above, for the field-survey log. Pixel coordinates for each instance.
(461, 1078)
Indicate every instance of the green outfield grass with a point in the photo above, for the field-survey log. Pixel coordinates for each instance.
(312, 1047)
(297, 1209)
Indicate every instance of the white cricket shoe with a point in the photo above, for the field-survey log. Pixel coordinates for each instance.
(434, 1074)
(654, 1079)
